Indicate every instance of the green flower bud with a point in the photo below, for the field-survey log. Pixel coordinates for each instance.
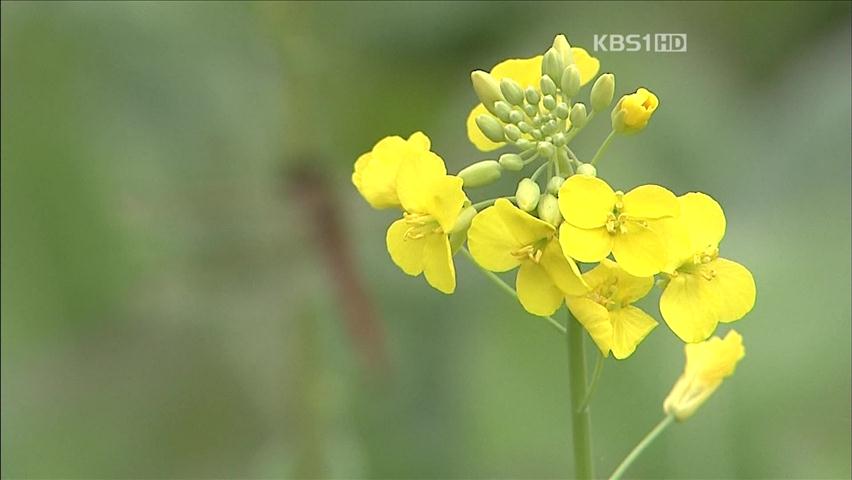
(536, 133)
(532, 96)
(550, 127)
(553, 184)
(561, 111)
(546, 149)
(512, 92)
(512, 132)
(561, 45)
(503, 110)
(487, 89)
(531, 110)
(515, 117)
(464, 219)
(602, 92)
(559, 139)
(481, 173)
(490, 127)
(523, 143)
(570, 81)
(551, 64)
(578, 115)
(512, 162)
(527, 195)
(587, 169)
(525, 127)
(548, 87)
(549, 102)
(548, 210)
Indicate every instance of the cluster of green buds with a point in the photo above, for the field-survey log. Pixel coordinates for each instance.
(538, 122)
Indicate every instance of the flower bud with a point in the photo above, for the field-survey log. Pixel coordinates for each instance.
(532, 110)
(464, 219)
(561, 111)
(558, 139)
(525, 127)
(512, 92)
(532, 96)
(527, 195)
(480, 173)
(548, 210)
(487, 89)
(548, 87)
(587, 169)
(602, 92)
(553, 184)
(549, 102)
(512, 162)
(523, 143)
(512, 132)
(570, 81)
(546, 149)
(490, 127)
(551, 65)
(632, 112)
(561, 45)
(515, 117)
(707, 364)
(578, 115)
(503, 110)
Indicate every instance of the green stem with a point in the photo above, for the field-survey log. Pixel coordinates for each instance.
(596, 374)
(506, 288)
(538, 171)
(637, 450)
(603, 147)
(581, 421)
(574, 131)
(489, 202)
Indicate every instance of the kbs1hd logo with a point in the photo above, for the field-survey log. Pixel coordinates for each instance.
(635, 42)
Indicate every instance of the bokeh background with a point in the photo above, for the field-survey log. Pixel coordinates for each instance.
(191, 287)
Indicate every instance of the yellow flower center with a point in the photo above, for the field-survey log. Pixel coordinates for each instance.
(529, 252)
(420, 225)
(604, 293)
(616, 222)
(701, 258)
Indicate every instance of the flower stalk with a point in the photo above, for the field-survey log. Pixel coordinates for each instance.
(581, 420)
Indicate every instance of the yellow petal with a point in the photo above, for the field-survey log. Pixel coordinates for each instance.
(415, 178)
(650, 202)
(536, 291)
(585, 245)
(525, 71)
(563, 271)
(375, 174)
(498, 231)
(447, 200)
(475, 135)
(438, 263)
(586, 201)
(703, 219)
(420, 141)
(595, 319)
(687, 307)
(627, 288)
(733, 287)
(639, 251)
(629, 327)
(406, 253)
(715, 359)
(587, 64)
(676, 239)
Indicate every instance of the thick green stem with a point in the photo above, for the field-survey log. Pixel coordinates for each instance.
(581, 421)
(637, 450)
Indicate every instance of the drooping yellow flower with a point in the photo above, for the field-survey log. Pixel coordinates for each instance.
(607, 312)
(504, 237)
(703, 289)
(375, 174)
(527, 73)
(630, 225)
(707, 364)
(632, 112)
(432, 201)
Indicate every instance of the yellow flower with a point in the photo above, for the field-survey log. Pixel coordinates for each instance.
(703, 288)
(632, 112)
(707, 364)
(607, 312)
(432, 201)
(630, 225)
(376, 171)
(527, 72)
(504, 237)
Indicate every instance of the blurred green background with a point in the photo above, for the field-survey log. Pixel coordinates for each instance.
(192, 288)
